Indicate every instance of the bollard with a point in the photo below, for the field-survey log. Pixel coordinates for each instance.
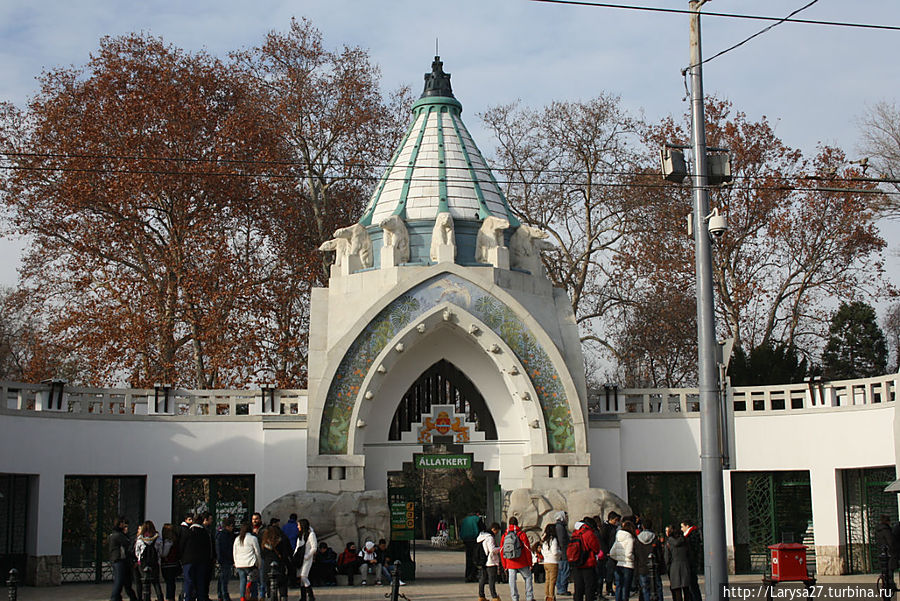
(652, 569)
(395, 581)
(273, 581)
(146, 574)
(886, 581)
(13, 584)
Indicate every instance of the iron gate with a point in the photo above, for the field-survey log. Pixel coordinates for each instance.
(91, 506)
(769, 508)
(864, 503)
(665, 497)
(220, 495)
(13, 521)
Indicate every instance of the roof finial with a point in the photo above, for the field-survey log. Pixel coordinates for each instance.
(437, 83)
(436, 53)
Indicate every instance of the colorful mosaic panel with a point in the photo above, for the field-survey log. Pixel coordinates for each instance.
(333, 435)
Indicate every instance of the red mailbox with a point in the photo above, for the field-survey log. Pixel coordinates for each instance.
(789, 562)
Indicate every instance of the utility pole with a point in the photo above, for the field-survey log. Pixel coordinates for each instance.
(715, 552)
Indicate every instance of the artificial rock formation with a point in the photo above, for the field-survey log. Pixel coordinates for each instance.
(535, 508)
(336, 518)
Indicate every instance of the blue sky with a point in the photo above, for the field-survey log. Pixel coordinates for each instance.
(812, 82)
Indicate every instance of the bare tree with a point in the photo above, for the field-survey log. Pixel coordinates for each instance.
(880, 145)
(563, 169)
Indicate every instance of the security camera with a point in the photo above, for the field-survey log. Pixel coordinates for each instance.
(716, 224)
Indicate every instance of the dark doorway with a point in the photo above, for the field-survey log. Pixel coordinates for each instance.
(91, 506)
(448, 493)
(13, 521)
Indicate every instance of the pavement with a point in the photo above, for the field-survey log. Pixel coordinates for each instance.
(438, 577)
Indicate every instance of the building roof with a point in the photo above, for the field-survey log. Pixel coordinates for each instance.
(437, 168)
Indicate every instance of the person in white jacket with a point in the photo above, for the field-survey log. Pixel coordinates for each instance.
(623, 553)
(306, 548)
(247, 560)
(551, 553)
(488, 574)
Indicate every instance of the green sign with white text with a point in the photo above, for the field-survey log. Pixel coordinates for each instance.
(438, 462)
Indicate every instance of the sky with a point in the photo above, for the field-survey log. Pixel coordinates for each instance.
(813, 82)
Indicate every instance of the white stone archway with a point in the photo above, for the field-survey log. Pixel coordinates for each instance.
(489, 334)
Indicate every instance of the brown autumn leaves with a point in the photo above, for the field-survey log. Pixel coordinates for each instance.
(174, 202)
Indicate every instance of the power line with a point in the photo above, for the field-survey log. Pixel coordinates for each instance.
(756, 35)
(372, 179)
(726, 15)
(303, 164)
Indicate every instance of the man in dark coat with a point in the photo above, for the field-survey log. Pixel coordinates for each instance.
(607, 538)
(695, 549)
(196, 556)
(119, 555)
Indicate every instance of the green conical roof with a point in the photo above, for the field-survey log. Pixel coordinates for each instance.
(437, 168)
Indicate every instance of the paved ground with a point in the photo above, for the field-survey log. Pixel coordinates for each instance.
(439, 577)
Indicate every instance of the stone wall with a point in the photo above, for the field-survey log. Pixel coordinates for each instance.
(336, 518)
(535, 509)
(44, 570)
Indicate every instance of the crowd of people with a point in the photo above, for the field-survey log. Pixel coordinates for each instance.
(602, 559)
(261, 556)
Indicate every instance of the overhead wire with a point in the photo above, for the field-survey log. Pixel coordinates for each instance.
(755, 35)
(681, 11)
(364, 165)
(451, 180)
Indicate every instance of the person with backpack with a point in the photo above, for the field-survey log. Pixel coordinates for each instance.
(487, 559)
(552, 554)
(582, 553)
(169, 559)
(148, 550)
(648, 543)
(515, 555)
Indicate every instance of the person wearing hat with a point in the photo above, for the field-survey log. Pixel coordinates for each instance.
(369, 562)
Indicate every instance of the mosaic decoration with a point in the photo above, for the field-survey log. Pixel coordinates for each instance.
(442, 424)
(345, 386)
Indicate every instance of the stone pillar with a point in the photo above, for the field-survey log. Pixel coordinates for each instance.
(498, 256)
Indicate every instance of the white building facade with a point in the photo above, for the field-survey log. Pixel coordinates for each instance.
(439, 324)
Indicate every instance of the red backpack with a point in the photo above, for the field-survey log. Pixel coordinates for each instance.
(576, 552)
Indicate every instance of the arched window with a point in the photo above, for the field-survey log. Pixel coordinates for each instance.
(442, 384)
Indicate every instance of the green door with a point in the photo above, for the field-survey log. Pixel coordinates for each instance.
(864, 503)
(769, 508)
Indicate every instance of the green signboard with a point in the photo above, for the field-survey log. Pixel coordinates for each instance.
(403, 520)
(434, 462)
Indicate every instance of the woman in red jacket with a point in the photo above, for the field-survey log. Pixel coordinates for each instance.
(585, 579)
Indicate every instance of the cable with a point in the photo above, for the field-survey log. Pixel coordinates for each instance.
(728, 15)
(302, 164)
(755, 35)
(873, 191)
